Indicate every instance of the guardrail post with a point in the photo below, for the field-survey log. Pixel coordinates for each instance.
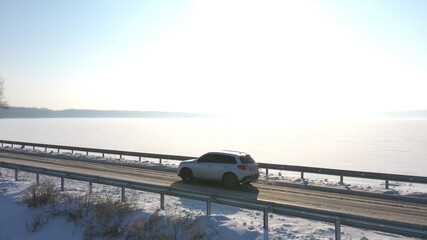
(120, 156)
(302, 175)
(103, 154)
(12, 145)
(208, 206)
(72, 152)
(62, 184)
(37, 178)
(160, 160)
(58, 150)
(341, 179)
(90, 187)
(266, 217)
(386, 184)
(1, 144)
(162, 200)
(123, 194)
(266, 173)
(87, 153)
(45, 149)
(16, 174)
(337, 228)
(34, 148)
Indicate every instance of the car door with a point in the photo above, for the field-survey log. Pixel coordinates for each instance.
(223, 164)
(203, 166)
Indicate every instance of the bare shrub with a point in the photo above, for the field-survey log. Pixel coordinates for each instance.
(76, 207)
(161, 227)
(109, 214)
(39, 219)
(155, 227)
(135, 230)
(188, 227)
(103, 216)
(41, 194)
(3, 172)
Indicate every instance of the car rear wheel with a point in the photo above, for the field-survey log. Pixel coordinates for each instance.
(186, 175)
(230, 180)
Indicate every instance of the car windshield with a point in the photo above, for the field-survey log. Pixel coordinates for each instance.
(246, 159)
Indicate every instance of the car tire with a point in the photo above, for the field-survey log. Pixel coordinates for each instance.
(186, 175)
(230, 180)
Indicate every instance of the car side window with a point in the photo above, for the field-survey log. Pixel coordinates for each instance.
(205, 158)
(217, 158)
(229, 159)
(224, 159)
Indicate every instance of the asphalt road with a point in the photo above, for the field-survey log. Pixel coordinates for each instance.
(414, 213)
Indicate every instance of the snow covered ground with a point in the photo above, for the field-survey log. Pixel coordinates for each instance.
(226, 222)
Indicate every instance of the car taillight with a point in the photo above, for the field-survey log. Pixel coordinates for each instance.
(243, 167)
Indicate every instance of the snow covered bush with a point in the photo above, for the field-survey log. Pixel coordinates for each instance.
(106, 217)
(75, 207)
(39, 219)
(161, 227)
(41, 194)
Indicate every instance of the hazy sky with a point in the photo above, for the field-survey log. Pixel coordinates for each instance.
(244, 57)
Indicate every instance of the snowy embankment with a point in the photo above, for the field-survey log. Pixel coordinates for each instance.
(17, 220)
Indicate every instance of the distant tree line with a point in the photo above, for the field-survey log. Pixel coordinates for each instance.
(24, 112)
(3, 103)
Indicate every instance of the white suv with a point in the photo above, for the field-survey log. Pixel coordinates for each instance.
(229, 167)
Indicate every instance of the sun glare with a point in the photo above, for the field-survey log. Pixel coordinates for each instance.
(282, 58)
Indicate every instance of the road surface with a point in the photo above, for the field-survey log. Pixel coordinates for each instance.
(413, 213)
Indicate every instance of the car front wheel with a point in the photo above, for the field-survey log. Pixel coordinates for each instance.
(230, 180)
(186, 175)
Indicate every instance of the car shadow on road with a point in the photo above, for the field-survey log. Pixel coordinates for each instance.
(243, 192)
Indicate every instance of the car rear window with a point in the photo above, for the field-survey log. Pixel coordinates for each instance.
(246, 159)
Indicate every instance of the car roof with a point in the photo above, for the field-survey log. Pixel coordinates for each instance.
(230, 152)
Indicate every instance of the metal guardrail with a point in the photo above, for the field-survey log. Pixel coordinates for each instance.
(336, 172)
(97, 150)
(338, 219)
(346, 173)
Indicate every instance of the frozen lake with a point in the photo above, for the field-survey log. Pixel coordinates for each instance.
(381, 145)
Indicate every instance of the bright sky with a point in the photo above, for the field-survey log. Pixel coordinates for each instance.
(294, 57)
